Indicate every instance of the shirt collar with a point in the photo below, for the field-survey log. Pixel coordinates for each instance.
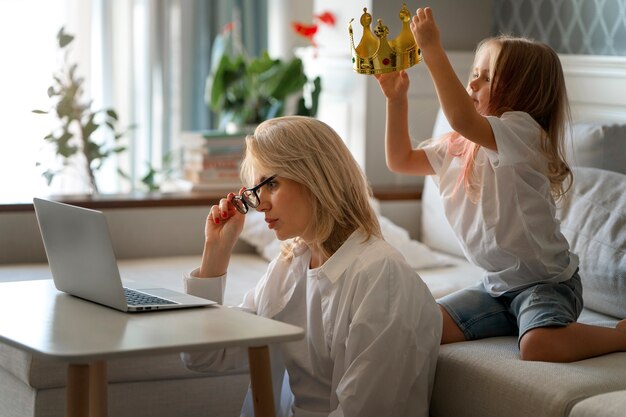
(337, 264)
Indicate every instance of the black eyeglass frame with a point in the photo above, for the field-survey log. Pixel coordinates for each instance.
(243, 202)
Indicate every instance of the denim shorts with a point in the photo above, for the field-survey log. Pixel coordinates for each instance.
(479, 315)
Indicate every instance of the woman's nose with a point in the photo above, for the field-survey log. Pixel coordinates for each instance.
(263, 202)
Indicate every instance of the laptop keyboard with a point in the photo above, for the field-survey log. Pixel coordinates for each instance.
(137, 298)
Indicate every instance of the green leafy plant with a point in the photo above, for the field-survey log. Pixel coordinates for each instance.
(154, 177)
(74, 138)
(248, 90)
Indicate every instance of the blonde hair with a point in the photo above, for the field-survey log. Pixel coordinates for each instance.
(311, 153)
(525, 76)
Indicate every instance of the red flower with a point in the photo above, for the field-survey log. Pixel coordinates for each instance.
(327, 18)
(228, 27)
(309, 31)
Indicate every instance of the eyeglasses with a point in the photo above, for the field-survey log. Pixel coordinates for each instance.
(249, 197)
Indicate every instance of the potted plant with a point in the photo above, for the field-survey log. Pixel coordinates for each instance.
(247, 90)
(74, 139)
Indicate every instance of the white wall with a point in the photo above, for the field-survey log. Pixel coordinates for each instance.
(281, 38)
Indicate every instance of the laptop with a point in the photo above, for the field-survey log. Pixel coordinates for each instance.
(83, 264)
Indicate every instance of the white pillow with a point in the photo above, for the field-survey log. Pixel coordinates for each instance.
(441, 126)
(417, 255)
(436, 230)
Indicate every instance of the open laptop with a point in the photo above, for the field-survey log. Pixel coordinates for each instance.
(83, 264)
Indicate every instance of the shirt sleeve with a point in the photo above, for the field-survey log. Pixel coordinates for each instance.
(435, 150)
(392, 345)
(209, 288)
(517, 137)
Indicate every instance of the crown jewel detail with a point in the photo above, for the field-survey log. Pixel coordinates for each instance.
(375, 54)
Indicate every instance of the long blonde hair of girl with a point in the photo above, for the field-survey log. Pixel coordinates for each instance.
(525, 76)
(311, 153)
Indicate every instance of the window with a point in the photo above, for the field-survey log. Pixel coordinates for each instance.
(147, 59)
(29, 57)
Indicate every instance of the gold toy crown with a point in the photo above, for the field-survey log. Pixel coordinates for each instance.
(376, 55)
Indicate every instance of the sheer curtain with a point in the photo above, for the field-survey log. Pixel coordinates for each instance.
(160, 52)
(30, 56)
(148, 59)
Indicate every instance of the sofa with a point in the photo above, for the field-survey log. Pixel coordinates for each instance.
(478, 378)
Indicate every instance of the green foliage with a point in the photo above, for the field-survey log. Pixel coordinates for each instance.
(154, 177)
(74, 139)
(248, 90)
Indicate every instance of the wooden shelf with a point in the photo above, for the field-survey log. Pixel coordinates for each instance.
(178, 199)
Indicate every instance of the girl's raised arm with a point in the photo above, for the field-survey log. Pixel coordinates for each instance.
(400, 155)
(455, 101)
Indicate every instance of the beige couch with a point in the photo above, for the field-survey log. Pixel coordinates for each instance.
(481, 378)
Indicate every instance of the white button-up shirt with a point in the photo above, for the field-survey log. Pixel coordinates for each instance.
(372, 331)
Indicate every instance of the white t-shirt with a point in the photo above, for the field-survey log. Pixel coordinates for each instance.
(511, 231)
(372, 330)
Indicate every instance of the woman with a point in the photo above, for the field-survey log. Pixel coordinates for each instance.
(372, 327)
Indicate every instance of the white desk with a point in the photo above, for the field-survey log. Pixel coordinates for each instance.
(35, 317)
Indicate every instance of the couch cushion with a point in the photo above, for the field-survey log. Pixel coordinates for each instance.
(598, 145)
(448, 279)
(611, 404)
(593, 218)
(487, 378)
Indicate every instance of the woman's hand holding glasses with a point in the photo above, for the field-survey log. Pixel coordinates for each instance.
(224, 223)
(222, 228)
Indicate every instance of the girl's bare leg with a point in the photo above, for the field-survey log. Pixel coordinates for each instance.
(573, 342)
(451, 332)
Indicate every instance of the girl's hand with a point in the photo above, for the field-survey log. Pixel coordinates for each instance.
(424, 28)
(394, 85)
(224, 224)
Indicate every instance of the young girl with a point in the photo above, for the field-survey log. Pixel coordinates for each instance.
(372, 327)
(499, 174)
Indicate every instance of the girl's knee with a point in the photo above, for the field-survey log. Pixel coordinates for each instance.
(535, 345)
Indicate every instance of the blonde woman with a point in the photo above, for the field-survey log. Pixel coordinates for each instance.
(500, 172)
(372, 327)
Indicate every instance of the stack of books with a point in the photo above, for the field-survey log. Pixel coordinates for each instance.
(211, 160)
